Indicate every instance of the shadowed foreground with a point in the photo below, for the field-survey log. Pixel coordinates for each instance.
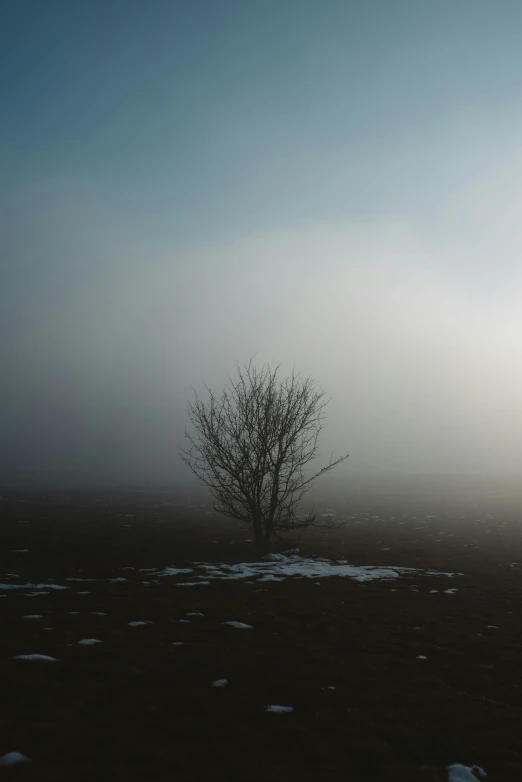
(348, 656)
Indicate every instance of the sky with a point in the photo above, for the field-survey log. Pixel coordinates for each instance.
(331, 186)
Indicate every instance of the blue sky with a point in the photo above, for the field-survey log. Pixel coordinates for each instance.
(157, 146)
(193, 119)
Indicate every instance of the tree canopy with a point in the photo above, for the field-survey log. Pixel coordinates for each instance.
(252, 446)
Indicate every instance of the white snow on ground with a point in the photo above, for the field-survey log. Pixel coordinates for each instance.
(89, 642)
(220, 683)
(137, 624)
(44, 657)
(97, 613)
(32, 616)
(195, 613)
(274, 567)
(280, 566)
(32, 586)
(173, 571)
(459, 773)
(35, 594)
(178, 643)
(190, 583)
(13, 759)
(421, 657)
(110, 580)
(280, 709)
(239, 625)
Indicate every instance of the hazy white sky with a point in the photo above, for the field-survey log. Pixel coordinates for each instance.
(331, 186)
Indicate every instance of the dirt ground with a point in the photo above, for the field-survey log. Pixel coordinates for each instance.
(346, 655)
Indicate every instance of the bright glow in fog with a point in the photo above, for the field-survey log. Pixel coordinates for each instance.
(424, 371)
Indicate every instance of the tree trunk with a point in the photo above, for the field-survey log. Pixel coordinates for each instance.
(267, 535)
(262, 537)
(258, 535)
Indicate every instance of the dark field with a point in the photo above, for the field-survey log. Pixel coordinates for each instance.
(344, 654)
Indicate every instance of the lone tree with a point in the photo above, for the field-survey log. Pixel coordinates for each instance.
(252, 444)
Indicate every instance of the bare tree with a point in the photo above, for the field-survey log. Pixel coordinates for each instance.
(252, 445)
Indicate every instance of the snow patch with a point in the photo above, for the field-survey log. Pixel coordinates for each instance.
(281, 566)
(220, 683)
(192, 583)
(459, 773)
(32, 586)
(32, 616)
(110, 580)
(13, 759)
(279, 709)
(137, 624)
(239, 625)
(89, 642)
(44, 657)
(173, 571)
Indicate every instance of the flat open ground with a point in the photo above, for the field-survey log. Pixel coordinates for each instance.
(347, 655)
